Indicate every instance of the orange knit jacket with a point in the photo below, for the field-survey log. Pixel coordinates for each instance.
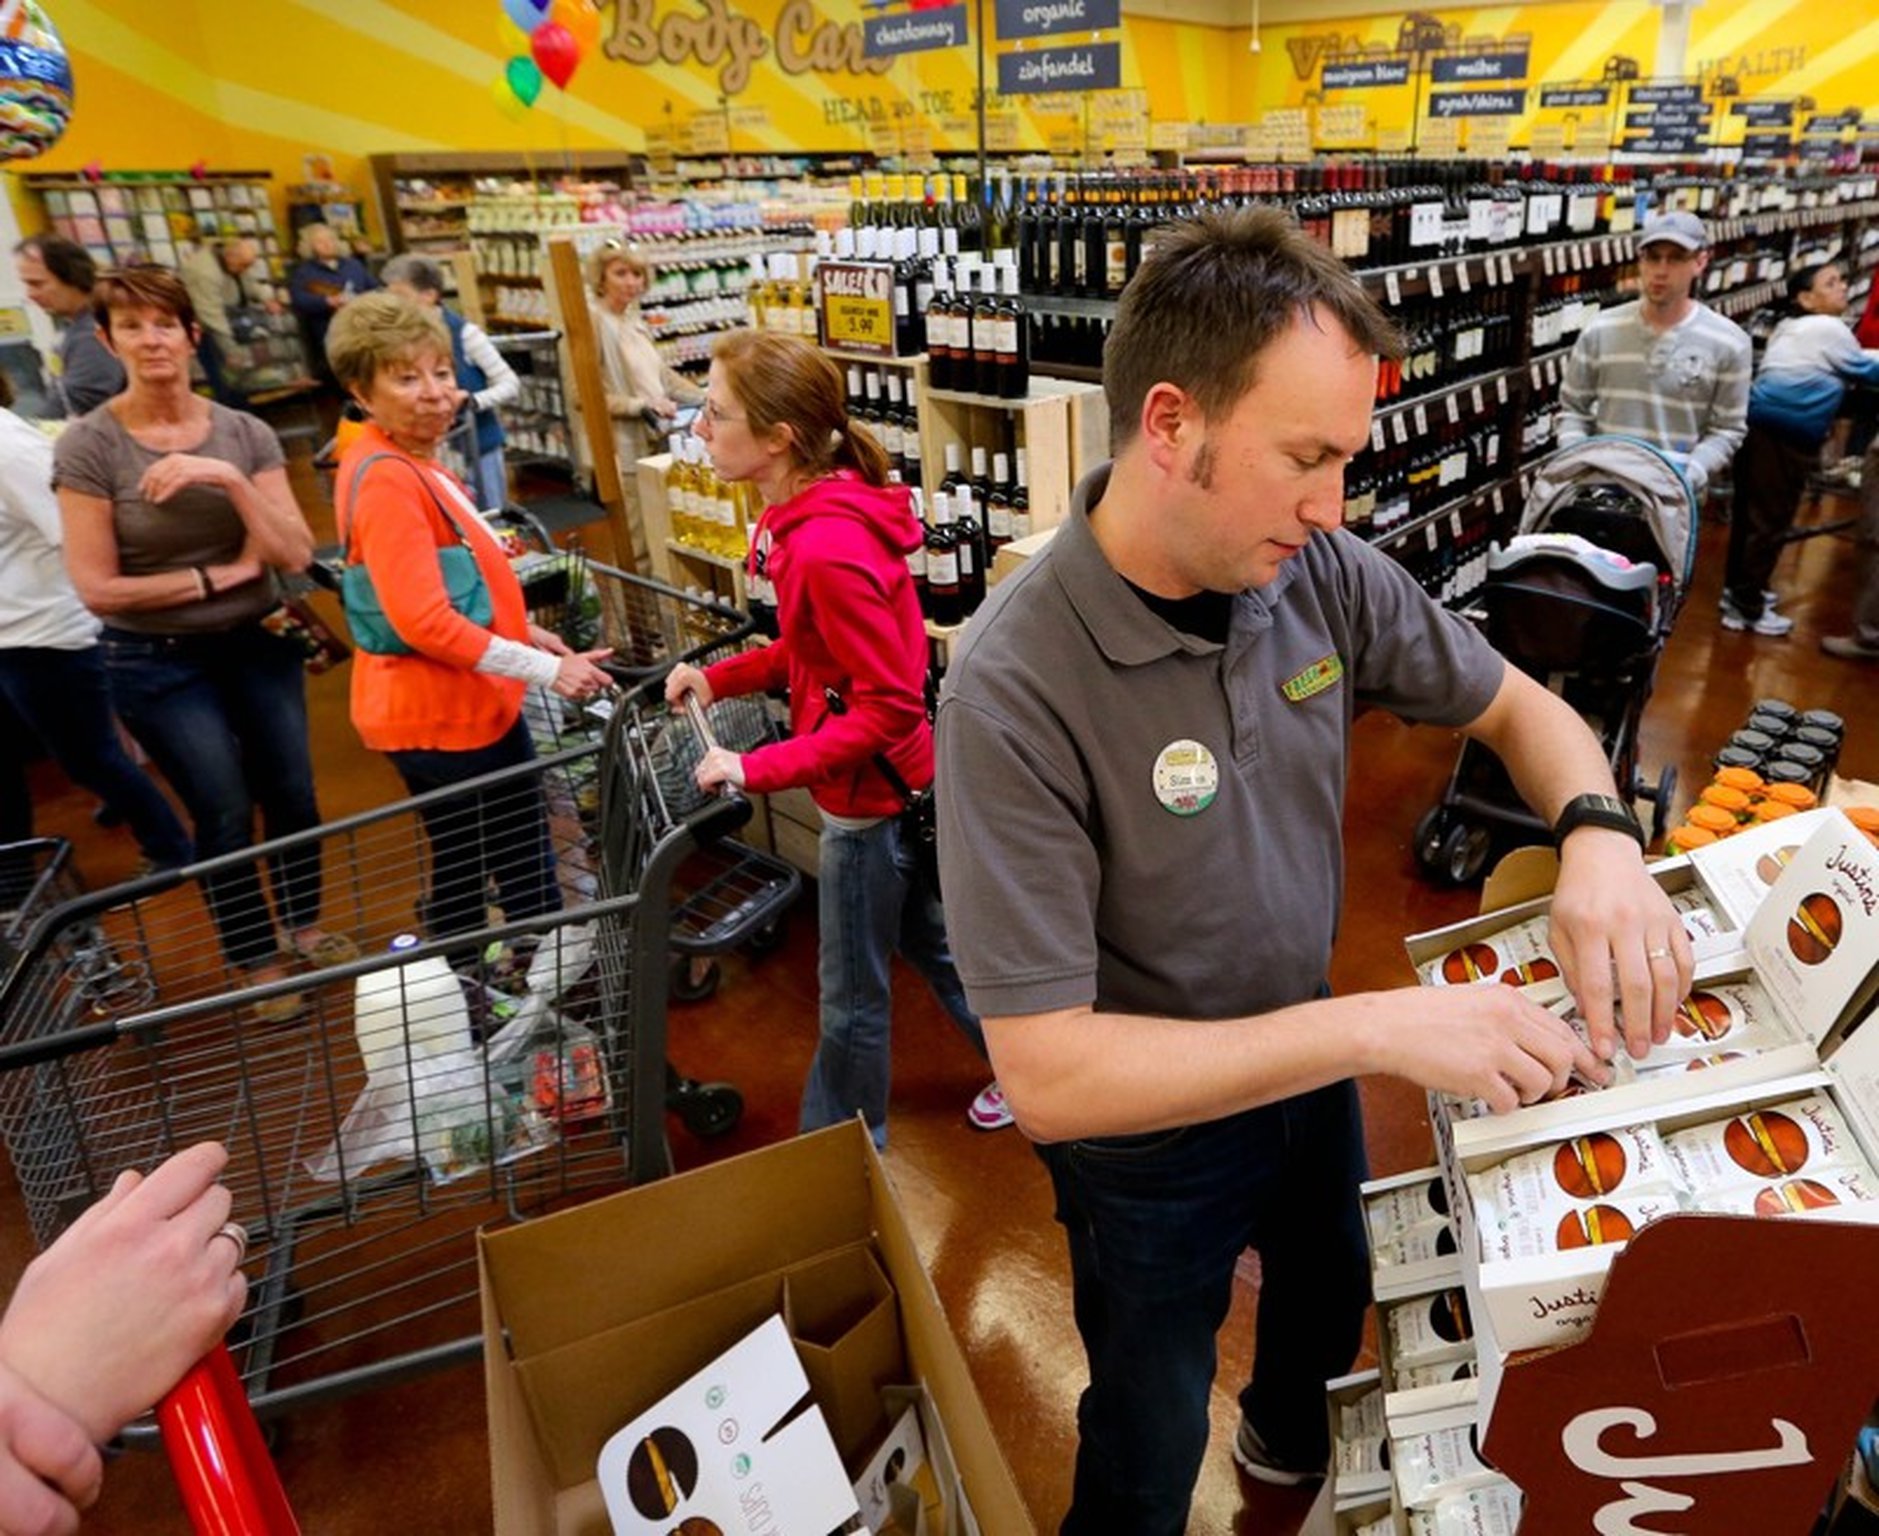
(431, 699)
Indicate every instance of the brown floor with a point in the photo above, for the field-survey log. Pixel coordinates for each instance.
(413, 1458)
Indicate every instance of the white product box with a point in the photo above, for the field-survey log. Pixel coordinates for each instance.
(1405, 1216)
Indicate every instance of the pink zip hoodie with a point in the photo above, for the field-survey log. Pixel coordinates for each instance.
(837, 555)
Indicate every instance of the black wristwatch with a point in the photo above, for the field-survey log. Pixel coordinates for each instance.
(1596, 811)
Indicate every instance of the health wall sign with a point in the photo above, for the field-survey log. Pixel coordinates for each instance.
(1470, 68)
(914, 31)
(1093, 67)
(1045, 18)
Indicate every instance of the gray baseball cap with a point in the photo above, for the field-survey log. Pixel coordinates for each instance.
(1684, 229)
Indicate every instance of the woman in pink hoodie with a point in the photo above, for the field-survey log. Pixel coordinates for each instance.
(833, 541)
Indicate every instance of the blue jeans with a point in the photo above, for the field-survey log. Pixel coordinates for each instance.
(872, 900)
(1156, 1223)
(62, 698)
(499, 833)
(225, 717)
(492, 481)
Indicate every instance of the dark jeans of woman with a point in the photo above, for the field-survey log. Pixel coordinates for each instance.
(225, 717)
(1770, 476)
(61, 698)
(498, 833)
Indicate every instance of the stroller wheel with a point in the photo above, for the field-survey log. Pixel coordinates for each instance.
(1662, 798)
(711, 1109)
(1464, 854)
(689, 984)
(1431, 828)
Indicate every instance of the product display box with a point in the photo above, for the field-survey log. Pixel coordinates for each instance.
(1413, 1246)
(1812, 947)
(1730, 1035)
(593, 1315)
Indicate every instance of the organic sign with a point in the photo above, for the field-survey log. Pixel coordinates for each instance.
(1044, 18)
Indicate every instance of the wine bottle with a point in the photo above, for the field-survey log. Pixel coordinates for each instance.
(942, 562)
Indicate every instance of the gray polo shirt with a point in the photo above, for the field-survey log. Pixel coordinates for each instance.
(1086, 857)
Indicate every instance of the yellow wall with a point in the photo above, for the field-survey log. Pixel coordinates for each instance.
(246, 85)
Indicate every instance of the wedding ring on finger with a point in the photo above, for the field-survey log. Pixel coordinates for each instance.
(237, 1234)
(1657, 954)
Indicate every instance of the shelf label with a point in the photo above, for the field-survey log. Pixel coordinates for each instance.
(858, 306)
(1453, 401)
(1435, 281)
(1546, 259)
(1399, 425)
(1461, 276)
(1422, 421)
(1500, 388)
(1475, 399)
(1507, 267)
(1377, 443)
(1392, 287)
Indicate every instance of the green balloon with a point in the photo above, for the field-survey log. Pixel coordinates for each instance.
(525, 79)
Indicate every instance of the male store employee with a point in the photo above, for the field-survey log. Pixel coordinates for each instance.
(1146, 896)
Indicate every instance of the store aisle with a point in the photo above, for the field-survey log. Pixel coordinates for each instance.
(412, 1458)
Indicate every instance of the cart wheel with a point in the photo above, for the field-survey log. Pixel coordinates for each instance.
(711, 1109)
(1662, 798)
(1464, 854)
(1427, 839)
(685, 987)
(765, 940)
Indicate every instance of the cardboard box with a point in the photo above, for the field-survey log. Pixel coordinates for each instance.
(592, 1315)
(1390, 1280)
(1014, 554)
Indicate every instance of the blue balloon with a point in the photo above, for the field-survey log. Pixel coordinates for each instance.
(526, 14)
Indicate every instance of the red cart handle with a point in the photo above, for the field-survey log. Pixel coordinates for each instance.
(222, 1467)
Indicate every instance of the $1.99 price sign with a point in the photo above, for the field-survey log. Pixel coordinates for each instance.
(858, 307)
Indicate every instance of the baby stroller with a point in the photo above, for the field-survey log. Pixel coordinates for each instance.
(1582, 600)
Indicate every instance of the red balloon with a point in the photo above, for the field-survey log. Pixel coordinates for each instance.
(556, 51)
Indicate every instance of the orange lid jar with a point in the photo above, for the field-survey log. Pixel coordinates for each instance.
(1797, 795)
(1726, 798)
(1738, 778)
(1712, 818)
(1772, 809)
(1865, 817)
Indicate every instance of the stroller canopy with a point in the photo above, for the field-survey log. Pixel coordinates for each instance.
(1630, 463)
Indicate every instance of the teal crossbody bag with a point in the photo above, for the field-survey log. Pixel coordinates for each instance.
(464, 585)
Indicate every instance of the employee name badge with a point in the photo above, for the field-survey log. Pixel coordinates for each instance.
(1187, 777)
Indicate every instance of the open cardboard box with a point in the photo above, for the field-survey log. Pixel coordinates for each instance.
(1389, 1280)
(1810, 1020)
(591, 1315)
(1534, 1302)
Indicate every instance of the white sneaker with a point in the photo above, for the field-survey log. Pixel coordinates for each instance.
(989, 1111)
(1250, 1452)
(1770, 623)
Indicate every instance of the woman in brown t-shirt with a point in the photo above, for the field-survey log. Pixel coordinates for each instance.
(176, 513)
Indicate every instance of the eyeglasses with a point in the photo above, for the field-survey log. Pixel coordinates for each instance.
(712, 412)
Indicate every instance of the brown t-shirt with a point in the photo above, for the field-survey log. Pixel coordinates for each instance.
(96, 456)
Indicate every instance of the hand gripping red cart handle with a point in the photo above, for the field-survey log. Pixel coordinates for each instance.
(222, 1467)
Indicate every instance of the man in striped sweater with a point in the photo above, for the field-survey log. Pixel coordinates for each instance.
(1663, 367)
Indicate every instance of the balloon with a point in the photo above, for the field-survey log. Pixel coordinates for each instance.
(582, 21)
(526, 14)
(556, 51)
(35, 84)
(507, 102)
(524, 79)
(509, 37)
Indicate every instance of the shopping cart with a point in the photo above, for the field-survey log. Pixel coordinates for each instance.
(362, 1193)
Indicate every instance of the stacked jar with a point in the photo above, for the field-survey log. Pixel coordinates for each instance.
(1783, 745)
(1736, 798)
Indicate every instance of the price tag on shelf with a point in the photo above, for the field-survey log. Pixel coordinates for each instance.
(1497, 501)
(1546, 259)
(1393, 288)
(1500, 388)
(1555, 369)
(1507, 267)
(1454, 523)
(1435, 281)
(1399, 427)
(1609, 258)
(1461, 276)
(1432, 536)
(1480, 404)
(1453, 402)
(1535, 373)
(1422, 421)
(1377, 443)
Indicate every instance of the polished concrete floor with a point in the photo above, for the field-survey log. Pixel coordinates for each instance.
(413, 1458)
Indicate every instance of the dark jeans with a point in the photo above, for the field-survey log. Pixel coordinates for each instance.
(61, 697)
(225, 717)
(1156, 1224)
(215, 373)
(872, 900)
(499, 833)
(1770, 474)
